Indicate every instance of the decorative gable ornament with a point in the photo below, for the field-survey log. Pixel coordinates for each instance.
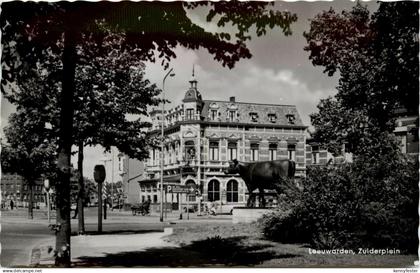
(190, 134)
(214, 136)
(254, 138)
(232, 106)
(214, 105)
(233, 137)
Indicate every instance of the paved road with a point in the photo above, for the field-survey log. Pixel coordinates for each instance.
(20, 235)
(18, 239)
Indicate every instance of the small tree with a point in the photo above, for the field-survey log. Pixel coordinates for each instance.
(110, 85)
(30, 29)
(28, 151)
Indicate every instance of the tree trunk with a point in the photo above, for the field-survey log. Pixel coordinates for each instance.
(31, 201)
(81, 195)
(65, 142)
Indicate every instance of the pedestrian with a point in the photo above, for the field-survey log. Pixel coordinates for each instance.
(76, 211)
(11, 204)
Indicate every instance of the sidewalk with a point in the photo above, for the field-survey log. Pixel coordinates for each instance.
(122, 232)
(100, 245)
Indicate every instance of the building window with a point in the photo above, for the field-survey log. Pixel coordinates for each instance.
(315, 154)
(155, 157)
(253, 116)
(232, 191)
(190, 150)
(190, 114)
(155, 198)
(254, 151)
(143, 198)
(213, 190)
(173, 153)
(214, 150)
(213, 114)
(291, 151)
(272, 118)
(232, 151)
(232, 115)
(272, 150)
(191, 184)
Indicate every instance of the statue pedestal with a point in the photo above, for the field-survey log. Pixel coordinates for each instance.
(248, 215)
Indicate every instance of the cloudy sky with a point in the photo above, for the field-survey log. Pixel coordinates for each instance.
(279, 71)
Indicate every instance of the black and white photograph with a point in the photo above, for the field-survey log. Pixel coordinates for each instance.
(209, 134)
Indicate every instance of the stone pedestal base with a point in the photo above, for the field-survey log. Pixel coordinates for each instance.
(248, 215)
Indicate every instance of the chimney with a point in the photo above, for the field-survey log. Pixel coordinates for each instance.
(232, 99)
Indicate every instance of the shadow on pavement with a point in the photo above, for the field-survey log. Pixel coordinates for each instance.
(213, 252)
(124, 231)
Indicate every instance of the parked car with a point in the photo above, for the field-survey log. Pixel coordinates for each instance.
(218, 208)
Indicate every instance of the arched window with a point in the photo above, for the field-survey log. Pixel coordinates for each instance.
(232, 191)
(213, 190)
(189, 184)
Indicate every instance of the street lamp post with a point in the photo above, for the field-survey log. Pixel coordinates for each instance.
(122, 172)
(47, 190)
(162, 141)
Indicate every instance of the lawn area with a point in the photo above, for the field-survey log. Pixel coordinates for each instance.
(227, 244)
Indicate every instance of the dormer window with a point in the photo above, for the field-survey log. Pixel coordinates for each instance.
(190, 114)
(213, 114)
(272, 118)
(253, 116)
(232, 115)
(291, 118)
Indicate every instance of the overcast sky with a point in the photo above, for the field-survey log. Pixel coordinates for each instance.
(279, 71)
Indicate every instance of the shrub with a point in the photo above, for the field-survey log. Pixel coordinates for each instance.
(369, 203)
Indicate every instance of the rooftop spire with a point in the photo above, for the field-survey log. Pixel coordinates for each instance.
(193, 80)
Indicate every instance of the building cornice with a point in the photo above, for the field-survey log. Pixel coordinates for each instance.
(269, 126)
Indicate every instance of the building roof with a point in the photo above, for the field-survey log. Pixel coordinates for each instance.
(253, 113)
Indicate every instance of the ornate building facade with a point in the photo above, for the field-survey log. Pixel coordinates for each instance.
(202, 136)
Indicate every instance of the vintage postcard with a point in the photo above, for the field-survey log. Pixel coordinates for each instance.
(204, 134)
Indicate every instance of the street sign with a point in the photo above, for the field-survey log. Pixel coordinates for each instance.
(179, 189)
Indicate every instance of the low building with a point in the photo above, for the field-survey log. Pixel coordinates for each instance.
(406, 131)
(14, 187)
(202, 136)
(130, 170)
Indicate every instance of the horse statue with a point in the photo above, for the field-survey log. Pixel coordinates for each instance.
(276, 174)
